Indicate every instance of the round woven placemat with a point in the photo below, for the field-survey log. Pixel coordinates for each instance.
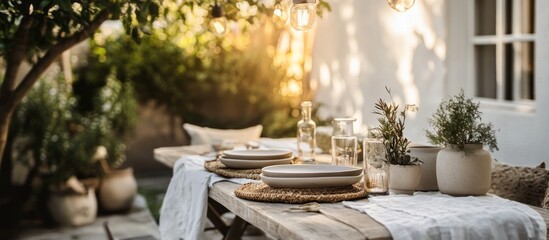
(216, 166)
(263, 193)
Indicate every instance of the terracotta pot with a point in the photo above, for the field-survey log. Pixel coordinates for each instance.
(427, 155)
(403, 179)
(464, 172)
(73, 209)
(117, 191)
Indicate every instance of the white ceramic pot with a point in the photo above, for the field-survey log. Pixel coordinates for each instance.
(428, 155)
(117, 191)
(404, 179)
(73, 209)
(464, 172)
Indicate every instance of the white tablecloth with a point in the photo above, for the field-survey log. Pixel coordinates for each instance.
(439, 216)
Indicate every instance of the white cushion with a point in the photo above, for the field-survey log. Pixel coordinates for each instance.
(204, 135)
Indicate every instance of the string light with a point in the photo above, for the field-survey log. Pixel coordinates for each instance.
(401, 5)
(303, 14)
(218, 24)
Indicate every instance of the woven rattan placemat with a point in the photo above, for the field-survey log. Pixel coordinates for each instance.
(263, 193)
(216, 166)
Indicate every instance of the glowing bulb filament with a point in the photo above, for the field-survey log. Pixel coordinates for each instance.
(219, 28)
(302, 18)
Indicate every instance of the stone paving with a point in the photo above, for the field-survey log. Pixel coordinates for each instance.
(138, 224)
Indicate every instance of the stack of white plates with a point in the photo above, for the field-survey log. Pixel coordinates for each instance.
(310, 176)
(256, 158)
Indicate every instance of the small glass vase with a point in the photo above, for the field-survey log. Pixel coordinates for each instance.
(376, 168)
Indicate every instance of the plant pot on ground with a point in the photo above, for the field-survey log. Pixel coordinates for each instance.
(463, 166)
(118, 190)
(72, 204)
(404, 170)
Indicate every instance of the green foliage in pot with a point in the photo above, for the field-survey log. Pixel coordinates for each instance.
(63, 137)
(391, 130)
(457, 121)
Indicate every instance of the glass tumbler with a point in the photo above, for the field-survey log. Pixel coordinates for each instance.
(344, 142)
(376, 168)
(344, 150)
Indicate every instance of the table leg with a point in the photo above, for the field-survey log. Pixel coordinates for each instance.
(215, 210)
(237, 229)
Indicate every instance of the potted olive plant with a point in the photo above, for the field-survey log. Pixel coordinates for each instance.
(404, 170)
(463, 166)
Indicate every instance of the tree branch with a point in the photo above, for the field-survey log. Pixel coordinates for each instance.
(44, 62)
(16, 55)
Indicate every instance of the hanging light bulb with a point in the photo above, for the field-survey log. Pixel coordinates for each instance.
(218, 24)
(303, 14)
(401, 5)
(280, 15)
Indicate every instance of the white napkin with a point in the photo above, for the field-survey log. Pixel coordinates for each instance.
(440, 216)
(183, 212)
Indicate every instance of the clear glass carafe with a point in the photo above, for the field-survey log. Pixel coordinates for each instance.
(344, 142)
(306, 135)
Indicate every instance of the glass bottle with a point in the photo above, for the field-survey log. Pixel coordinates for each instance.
(306, 134)
(344, 142)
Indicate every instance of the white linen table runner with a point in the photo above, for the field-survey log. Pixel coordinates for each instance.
(439, 216)
(184, 208)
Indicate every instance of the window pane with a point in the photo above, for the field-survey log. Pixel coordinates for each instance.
(508, 17)
(509, 71)
(485, 62)
(519, 67)
(527, 71)
(527, 20)
(485, 17)
(519, 14)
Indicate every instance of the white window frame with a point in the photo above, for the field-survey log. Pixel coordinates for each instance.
(461, 37)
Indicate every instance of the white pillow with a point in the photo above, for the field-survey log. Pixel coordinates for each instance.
(204, 135)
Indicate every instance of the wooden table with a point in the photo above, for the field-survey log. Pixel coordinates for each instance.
(334, 222)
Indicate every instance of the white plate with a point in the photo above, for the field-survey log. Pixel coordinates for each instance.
(310, 182)
(244, 163)
(256, 154)
(307, 170)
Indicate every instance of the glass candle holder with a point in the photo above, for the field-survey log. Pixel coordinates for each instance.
(376, 168)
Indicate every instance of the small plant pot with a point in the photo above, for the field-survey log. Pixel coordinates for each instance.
(73, 209)
(464, 173)
(403, 179)
(117, 191)
(427, 155)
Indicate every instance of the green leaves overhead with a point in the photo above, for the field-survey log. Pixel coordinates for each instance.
(51, 22)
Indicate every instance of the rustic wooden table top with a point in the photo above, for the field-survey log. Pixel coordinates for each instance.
(334, 221)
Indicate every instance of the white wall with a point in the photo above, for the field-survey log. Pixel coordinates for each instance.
(363, 45)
